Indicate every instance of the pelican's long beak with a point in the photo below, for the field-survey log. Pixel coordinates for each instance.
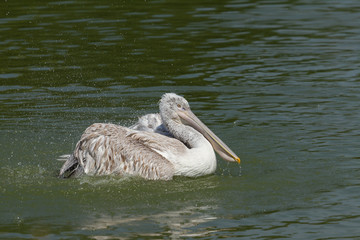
(188, 118)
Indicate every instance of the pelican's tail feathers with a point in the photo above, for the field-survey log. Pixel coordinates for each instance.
(71, 167)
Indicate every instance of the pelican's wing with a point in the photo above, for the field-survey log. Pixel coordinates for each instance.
(109, 149)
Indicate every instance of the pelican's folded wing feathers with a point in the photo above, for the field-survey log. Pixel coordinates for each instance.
(111, 149)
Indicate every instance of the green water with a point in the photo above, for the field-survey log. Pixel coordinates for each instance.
(278, 81)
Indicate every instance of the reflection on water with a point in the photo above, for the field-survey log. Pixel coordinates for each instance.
(174, 224)
(278, 85)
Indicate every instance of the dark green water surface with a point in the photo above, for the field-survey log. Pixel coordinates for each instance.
(278, 81)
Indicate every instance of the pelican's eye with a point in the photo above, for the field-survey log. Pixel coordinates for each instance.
(178, 105)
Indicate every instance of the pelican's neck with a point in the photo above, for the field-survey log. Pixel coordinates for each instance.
(200, 159)
(189, 136)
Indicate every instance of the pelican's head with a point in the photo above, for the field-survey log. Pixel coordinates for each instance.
(177, 109)
(170, 104)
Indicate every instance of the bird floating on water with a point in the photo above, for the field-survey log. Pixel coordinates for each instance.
(160, 146)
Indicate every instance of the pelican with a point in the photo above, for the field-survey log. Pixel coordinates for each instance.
(159, 147)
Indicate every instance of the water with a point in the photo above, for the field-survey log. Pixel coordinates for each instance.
(278, 81)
